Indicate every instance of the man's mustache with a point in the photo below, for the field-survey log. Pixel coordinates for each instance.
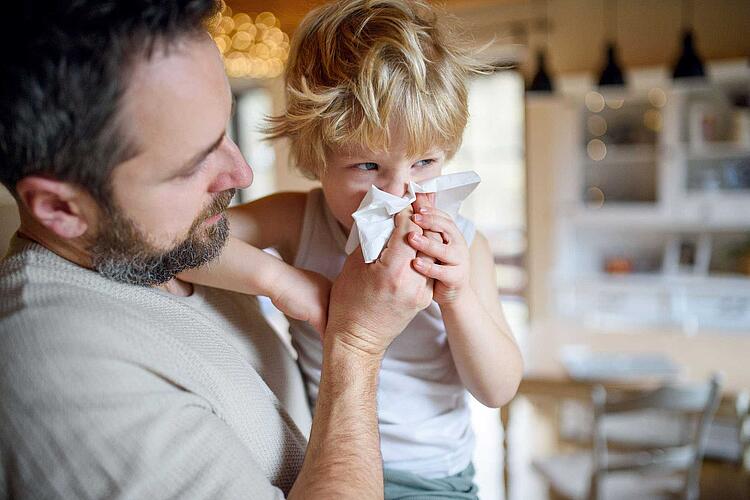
(219, 205)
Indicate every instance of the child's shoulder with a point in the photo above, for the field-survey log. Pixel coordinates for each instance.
(284, 198)
(285, 205)
(273, 220)
(467, 228)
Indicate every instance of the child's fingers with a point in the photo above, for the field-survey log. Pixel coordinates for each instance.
(448, 275)
(423, 200)
(440, 222)
(431, 210)
(434, 236)
(433, 248)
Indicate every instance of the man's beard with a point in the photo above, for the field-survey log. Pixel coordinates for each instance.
(121, 252)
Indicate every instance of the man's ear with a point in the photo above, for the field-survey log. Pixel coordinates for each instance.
(62, 208)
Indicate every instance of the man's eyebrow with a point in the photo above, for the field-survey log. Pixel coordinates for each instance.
(201, 155)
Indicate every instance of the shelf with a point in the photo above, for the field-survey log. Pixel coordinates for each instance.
(658, 223)
(696, 212)
(691, 303)
(723, 195)
(710, 284)
(650, 202)
(652, 219)
(619, 215)
(717, 151)
(625, 153)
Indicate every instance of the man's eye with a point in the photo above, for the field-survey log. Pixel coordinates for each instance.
(366, 166)
(193, 171)
(424, 163)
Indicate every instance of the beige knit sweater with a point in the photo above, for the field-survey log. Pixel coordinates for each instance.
(115, 391)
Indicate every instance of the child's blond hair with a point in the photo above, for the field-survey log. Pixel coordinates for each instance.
(357, 68)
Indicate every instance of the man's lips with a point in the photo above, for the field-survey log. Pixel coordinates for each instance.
(213, 219)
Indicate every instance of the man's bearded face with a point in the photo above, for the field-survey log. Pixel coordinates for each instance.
(123, 253)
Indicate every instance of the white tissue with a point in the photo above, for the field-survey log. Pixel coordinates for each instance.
(373, 220)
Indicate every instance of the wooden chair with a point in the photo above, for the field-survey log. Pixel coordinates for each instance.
(614, 471)
(742, 405)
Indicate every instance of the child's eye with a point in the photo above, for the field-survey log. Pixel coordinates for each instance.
(366, 166)
(424, 163)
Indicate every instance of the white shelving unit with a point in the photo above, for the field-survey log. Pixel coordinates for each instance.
(652, 208)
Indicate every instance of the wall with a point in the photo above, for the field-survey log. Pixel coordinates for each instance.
(285, 177)
(549, 147)
(647, 34)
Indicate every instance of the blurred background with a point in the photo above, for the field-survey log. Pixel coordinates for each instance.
(614, 146)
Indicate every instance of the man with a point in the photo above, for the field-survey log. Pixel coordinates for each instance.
(116, 379)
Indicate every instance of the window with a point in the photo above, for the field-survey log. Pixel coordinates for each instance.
(493, 146)
(253, 106)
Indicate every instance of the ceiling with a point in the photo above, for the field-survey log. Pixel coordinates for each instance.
(647, 32)
(292, 11)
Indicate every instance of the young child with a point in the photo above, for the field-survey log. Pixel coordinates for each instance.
(376, 95)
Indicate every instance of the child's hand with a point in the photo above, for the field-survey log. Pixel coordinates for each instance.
(451, 265)
(304, 295)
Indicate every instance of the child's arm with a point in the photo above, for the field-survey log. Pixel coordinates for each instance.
(241, 267)
(274, 221)
(483, 349)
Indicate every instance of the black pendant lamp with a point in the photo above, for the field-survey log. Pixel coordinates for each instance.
(689, 65)
(541, 81)
(611, 73)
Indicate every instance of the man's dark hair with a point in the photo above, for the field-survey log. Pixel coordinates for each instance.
(62, 79)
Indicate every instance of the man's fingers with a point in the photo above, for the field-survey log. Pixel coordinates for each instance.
(397, 244)
(403, 218)
(403, 226)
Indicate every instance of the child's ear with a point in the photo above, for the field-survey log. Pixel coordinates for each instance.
(62, 208)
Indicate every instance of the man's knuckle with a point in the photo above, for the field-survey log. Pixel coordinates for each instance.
(425, 300)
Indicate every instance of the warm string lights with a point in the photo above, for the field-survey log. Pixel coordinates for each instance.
(597, 125)
(253, 46)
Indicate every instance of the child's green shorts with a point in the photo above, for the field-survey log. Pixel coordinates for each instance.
(401, 485)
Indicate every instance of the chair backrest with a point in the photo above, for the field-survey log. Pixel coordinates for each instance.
(693, 405)
(742, 406)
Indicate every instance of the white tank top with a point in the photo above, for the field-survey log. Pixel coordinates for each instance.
(423, 412)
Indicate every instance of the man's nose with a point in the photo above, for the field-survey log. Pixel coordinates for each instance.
(234, 172)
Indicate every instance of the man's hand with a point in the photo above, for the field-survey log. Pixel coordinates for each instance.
(372, 303)
(303, 295)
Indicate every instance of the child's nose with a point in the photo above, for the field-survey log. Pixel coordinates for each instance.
(396, 185)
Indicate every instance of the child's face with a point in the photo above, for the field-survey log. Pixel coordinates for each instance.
(351, 171)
